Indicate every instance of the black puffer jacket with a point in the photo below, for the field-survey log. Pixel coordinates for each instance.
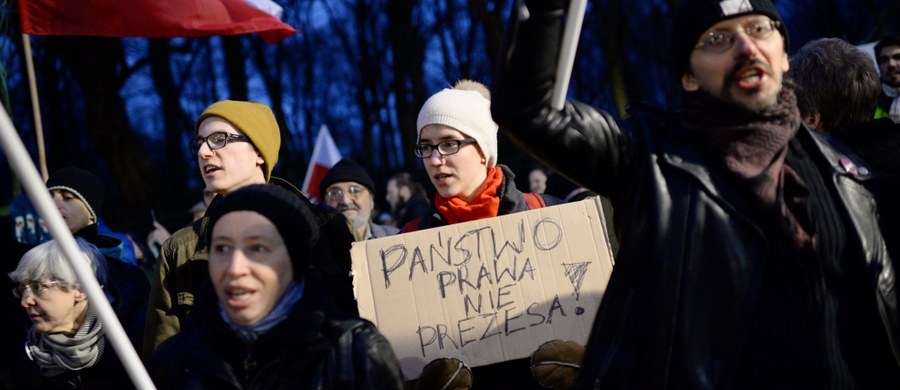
(313, 348)
(680, 300)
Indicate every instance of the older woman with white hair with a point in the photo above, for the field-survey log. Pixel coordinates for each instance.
(66, 344)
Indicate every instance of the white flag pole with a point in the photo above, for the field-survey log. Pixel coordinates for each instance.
(572, 31)
(37, 191)
(35, 106)
(317, 150)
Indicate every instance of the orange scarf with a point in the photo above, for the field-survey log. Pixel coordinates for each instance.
(485, 203)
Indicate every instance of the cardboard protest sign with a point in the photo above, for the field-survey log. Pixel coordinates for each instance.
(486, 291)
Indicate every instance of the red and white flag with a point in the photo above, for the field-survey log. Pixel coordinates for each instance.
(325, 154)
(154, 18)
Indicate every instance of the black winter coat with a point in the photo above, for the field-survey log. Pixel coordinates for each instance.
(680, 300)
(312, 348)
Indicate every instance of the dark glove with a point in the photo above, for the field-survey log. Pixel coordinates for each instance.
(446, 373)
(555, 364)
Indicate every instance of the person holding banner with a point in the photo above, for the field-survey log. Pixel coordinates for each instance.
(267, 322)
(66, 344)
(457, 142)
(750, 254)
(237, 144)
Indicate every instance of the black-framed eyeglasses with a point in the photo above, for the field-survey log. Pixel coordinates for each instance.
(36, 287)
(719, 41)
(217, 140)
(444, 148)
(336, 193)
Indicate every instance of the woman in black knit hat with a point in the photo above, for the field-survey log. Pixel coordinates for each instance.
(265, 321)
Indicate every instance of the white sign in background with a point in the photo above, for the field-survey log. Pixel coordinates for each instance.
(486, 291)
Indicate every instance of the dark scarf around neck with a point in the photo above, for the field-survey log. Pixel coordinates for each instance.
(750, 146)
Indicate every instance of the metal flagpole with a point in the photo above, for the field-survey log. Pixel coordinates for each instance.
(35, 107)
(37, 191)
(571, 33)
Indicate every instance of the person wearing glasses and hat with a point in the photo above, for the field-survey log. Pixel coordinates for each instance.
(237, 144)
(457, 142)
(349, 189)
(749, 251)
(66, 345)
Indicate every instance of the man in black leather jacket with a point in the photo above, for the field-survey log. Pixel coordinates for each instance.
(750, 256)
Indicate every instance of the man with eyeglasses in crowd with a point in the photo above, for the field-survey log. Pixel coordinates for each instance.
(750, 255)
(348, 188)
(237, 144)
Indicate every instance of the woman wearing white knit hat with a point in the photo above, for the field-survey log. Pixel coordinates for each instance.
(457, 142)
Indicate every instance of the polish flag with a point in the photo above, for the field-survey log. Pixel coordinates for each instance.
(154, 18)
(324, 156)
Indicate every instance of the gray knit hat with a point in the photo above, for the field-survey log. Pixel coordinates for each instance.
(83, 184)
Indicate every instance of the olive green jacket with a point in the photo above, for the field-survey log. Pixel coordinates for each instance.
(181, 270)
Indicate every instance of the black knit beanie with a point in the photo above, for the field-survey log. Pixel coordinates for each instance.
(695, 16)
(295, 221)
(83, 184)
(346, 170)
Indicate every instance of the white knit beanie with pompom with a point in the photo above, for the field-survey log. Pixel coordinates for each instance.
(465, 107)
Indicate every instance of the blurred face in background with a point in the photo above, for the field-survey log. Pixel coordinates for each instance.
(249, 266)
(889, 64)
(392, 194)
(537, 181)
(233, 166)
(73, 210)
(460, 174)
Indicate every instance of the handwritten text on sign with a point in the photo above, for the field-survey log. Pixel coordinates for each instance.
(485, 291)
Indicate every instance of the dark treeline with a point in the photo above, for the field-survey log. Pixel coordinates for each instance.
(124, 108)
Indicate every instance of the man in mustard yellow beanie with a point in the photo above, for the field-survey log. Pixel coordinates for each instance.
(236, 144)
(253, 120)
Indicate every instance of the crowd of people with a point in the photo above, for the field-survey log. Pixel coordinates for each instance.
(753, 229)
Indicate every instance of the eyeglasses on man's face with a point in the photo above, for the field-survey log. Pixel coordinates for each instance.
(444, 148)
(216, 140)
(335, 193)
(722, 40)
(36, 287)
